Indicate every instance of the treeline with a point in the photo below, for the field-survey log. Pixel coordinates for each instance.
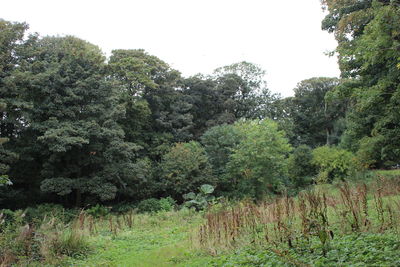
(78, 128)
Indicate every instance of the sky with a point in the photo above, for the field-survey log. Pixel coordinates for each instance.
(196, 36)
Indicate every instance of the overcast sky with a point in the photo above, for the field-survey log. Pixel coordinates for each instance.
(193, 36)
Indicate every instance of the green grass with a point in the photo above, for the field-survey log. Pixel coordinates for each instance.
(164, 239)
(155, 240)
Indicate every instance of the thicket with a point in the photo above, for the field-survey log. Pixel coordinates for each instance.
(79, 129)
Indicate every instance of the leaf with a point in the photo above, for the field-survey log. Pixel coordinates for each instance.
(207, 189)
(190, 195)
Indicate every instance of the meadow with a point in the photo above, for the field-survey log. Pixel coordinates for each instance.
(344, 224)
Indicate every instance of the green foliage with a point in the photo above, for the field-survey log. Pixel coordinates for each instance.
(98, 211)
(369, 151)
(258, 164)
(70, 243)
(201, 200)
(38, 213)
(184, 168)
(167, 204)
(123, 207)
(300, 166)
(333, 163)
(314, 112)
(73, 121)
(367, 34)
(149, 205)
(219, 143)
(350, 250)
(4, 180)
(152, 205)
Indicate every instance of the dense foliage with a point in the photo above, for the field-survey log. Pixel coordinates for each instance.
(80, 129)
(368, 36)
(128, 134)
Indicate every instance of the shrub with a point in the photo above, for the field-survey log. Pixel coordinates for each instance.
(258, 164)
(152, 205)
(300, 167)
(184, 168)
(148, 205)
(7, 217)
(123, 207)
(333, 163)
(201, 200)
(38, 213)
(167, 204)
(369, 152)
(98, 211)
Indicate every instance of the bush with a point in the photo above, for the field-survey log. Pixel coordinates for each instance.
(258, 164)
(167, 204)
(122, 208)
(333, 163)
(184, 168)
(152, 205)
(98, 211)
(37, 214)
(300, 167)
(369, 152)
(201, 200)
(7, 217)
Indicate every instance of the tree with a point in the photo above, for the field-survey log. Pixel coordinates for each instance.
(300, 166)
(156, 111)
(201, 94)
(231, 93)
(12, 54)
(246, 89)
(73, 122)
(14, 48)
(258, 164)
(219, 143)
(184, 168)
(315, 114)
(367, 34)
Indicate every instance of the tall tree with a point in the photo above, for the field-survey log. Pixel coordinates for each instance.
(73, 120)
(14, 52)
(315, 115)
(368, 50)
(248, 95)
(149, 90)
(258, 164)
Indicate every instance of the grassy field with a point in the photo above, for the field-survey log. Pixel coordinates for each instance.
(333, 225)
(155, 240)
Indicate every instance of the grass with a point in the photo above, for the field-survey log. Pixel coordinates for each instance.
(275, 233)
(154, 240)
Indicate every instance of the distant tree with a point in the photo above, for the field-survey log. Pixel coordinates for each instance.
(300, 166)
(219, 143)
(258, 165)
(79, 145)
(156, 110)
(184, 168)
(231, 93)
(249, 96)
(315, 114)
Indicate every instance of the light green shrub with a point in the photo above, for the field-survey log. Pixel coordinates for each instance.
(333, 163)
